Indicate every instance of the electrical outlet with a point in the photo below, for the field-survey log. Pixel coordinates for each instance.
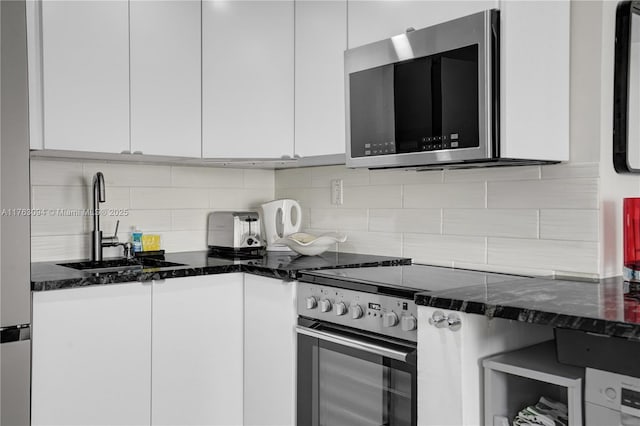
(336, 192)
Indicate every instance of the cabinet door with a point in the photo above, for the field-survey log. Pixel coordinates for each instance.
(247, 78)
(321, 39)
(85, 57)
(165, 77)
(269, 352)
(449, 371)
(372, 20)
(197, 351)
(91, 356)
(534, 69)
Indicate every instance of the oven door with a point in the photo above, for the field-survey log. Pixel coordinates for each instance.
(351, 378)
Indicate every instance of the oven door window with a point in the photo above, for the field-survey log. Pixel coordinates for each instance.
(338, 386)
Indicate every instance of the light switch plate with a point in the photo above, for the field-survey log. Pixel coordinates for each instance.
(336, 192)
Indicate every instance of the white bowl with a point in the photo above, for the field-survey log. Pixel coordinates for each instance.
(310, 245)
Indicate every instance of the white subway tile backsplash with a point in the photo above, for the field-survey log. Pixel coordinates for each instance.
(233, 199)
(572, 193)
(492, 174)
(518, 270)
(451, 195)
(380, 243)
(314, 198)
(404, 177)
(293, 178)
(491, 222)
(184, 241)
(427, 248)
(321, 176)
(169, 198)
(172, 201)
(256, 178)
(59, 247)
(152, 221)
(189, 220)
(206, 177)
(388, 196)
(340, 219)
(426, 221)
(129, 175)
(577, 225)
(576, 256)
(115, 198)
(58, 225)
(60, 197)
(532, 219)
(571, 170)
(57, 173)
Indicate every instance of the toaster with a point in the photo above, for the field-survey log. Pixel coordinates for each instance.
(234, 230)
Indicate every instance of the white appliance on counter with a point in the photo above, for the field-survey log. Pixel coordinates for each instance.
(280, 218)
(15, 260)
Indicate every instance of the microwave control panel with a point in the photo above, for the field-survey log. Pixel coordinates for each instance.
(388, 315)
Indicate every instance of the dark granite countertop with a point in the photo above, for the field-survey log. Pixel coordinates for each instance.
(607, 306)
(285, 266)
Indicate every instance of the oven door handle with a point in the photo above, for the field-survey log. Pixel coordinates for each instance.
(356, 344)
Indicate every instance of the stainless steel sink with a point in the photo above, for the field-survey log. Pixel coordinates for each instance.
(121, 264)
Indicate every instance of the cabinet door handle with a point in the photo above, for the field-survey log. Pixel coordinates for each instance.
(438, 319)
(451, 321)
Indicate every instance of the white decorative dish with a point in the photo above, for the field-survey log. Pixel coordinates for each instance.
(310, 245)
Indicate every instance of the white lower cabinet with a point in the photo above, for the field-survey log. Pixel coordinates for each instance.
(269, 351)
(197, 342)
(449, 363)
(91, 356)
(167, 353)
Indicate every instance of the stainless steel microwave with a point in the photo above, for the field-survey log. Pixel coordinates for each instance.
(427, 98)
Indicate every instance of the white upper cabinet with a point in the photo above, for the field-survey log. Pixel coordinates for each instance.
(534, 75)
(165, 77)
(85, 58)
(320, 42)
(247, 78)
(372, 20)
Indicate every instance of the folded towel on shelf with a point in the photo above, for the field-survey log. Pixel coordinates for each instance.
(546, 412)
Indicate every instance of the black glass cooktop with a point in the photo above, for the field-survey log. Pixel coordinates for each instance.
(406, 280)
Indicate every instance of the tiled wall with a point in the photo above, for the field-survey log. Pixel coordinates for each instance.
(169, 200)
(517, 219)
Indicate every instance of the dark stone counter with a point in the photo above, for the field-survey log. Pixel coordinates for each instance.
(285, 266)
(607, 306)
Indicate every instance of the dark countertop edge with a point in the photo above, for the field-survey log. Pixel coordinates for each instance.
(533, 316)
(187, 271)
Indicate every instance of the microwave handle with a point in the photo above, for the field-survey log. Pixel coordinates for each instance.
(353, 343)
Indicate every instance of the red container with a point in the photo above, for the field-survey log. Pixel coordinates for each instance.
(631, 237)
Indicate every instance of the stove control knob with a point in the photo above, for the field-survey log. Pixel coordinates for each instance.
(312, 302)
(325, 305)
(341, 308)
(389, 319)
(408, 323)
(356, 312)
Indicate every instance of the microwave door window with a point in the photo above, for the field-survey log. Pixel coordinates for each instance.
(371, 110)
(416, 120)
(458, 100)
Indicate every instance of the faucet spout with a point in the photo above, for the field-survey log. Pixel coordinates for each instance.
(99, 196)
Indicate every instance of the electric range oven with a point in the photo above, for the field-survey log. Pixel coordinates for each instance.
(356, 357)
(357, 342)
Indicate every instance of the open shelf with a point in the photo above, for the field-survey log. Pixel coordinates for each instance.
(514, 380)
